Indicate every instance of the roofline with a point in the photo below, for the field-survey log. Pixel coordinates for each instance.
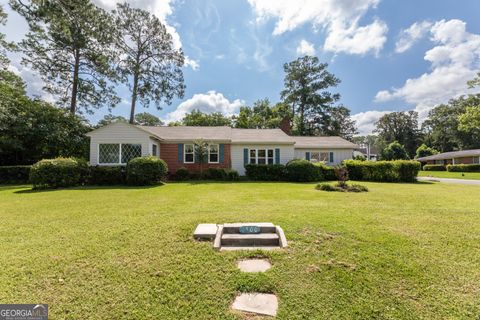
(451, 155)
(152, 135)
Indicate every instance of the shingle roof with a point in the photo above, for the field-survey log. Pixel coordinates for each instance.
(261, 136)
(323, 142)
(182, 133)
(451, 155)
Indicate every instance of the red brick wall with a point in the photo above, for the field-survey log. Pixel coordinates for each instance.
(169, 153)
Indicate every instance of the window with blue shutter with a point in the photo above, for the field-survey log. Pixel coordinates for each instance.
(331, 157)
(307, 156)
(222, 153)
(180, 153)
(245, 156)
(277, 156)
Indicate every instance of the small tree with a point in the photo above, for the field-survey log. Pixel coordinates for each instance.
(425, 151)
(342, 176)
(201, 153)
(394, 151)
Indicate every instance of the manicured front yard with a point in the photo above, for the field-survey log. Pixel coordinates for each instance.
(400, 251)
(454, 175)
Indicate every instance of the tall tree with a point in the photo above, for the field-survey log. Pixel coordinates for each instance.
(110, 118)
(147, 119)
(32, 129)
(425, 151)
(395, 151)
(442, 127)
(69, 44)
(199, 118)
(470, 120)
(4, 44)
(306, 83)
(336, 121)
(149, 62)
(401, 127)
(261, 115)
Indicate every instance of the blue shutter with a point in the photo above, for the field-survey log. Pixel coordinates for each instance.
(222, 153)
(331, 157)
(307, 156)
(277, 156)
(180, 153)
(245, 156)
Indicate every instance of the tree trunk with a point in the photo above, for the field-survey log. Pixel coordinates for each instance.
(134, 93)
(73, 100)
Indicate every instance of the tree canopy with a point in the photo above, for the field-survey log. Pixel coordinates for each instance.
(199, 118)
(395, 151)
(262, 115)
(149, 63)
(425, 151)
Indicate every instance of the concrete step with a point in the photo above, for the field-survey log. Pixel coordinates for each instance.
(243, 240)
(265, 227)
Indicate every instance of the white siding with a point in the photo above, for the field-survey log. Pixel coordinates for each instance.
(286, 154)
(338, 154)
(118, 133)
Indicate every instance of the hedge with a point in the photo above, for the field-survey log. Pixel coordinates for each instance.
(146, 171)
(55, 173)
(383, 171)
(325, 172)
(434, 167)
(181, 174)
(463, 167)
(14, 174)
(265, 172)
(107, 175)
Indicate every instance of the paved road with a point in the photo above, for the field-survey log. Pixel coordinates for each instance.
(448, 180)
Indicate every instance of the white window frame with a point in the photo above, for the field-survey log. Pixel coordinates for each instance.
(155, 148)
(266, 155)
(119, 163)
(217, 153)
(185, 153)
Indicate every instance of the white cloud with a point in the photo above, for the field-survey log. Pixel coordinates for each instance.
(409, 36)
(209, 102)
(454, 60)
(365, 121)
(160, 8)
(338, 17)
(305, 48)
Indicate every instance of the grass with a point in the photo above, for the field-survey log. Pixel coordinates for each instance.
(455, 175)
(400, 251)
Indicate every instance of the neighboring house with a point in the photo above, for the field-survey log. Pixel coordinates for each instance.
(117, 143)
(369, 153)
(454, 157)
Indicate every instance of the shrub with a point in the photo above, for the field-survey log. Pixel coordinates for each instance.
(107, 175)
(434, 167)
(265, 172)
(463, 167)
(300, 170)
(182, 174)
(146, 171)
(357, 188)
(325, 172)
(395, 151)
(341, 187)
(84, 170)
(55, 173)
(14, 174)
(326, 187)
(231, 175)
(214, 174)
(383, 171)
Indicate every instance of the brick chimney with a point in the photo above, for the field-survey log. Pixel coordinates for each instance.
(285, 126)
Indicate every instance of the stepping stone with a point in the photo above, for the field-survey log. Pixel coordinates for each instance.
(254, 265)
(259, 303)
(205, 231)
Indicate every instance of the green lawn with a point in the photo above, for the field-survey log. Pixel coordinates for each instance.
(446, 174)
(400, 251)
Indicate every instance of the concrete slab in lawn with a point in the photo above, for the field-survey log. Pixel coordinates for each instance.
(258, 303)
(254, 265)
(205, 231)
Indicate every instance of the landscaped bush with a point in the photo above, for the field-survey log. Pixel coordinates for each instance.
(214, 174)
(231, 175)
(107, 175)
(434, 167)
(463, 167)
(383, 171)
(325, 172)
(182, 174)
(300, 170)
(14, 174)
(265, 172)
(146, 171)
(55, 173)
(341, 187)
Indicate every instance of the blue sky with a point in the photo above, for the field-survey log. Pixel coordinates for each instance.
(390, 55)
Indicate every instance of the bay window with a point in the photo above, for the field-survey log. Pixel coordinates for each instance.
(118, 153)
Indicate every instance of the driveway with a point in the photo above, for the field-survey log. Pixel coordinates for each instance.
(448, 180)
